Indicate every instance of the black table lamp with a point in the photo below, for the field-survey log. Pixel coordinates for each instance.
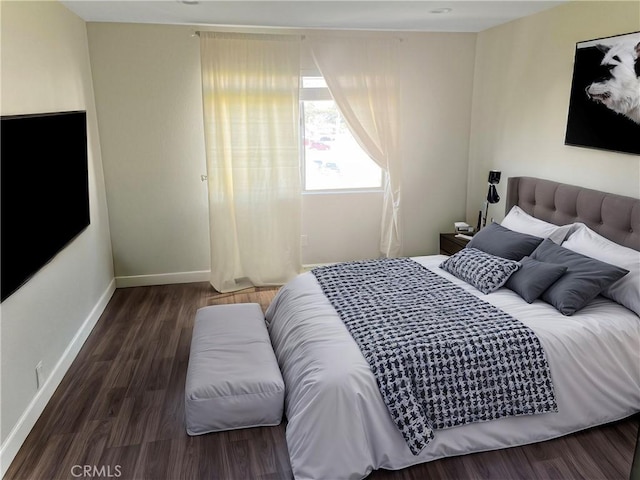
(492, 194)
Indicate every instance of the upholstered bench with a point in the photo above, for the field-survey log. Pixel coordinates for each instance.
(233, 379)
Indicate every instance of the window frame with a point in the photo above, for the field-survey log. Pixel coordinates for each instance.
(323, 94)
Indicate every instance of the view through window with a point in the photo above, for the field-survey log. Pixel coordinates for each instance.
(332, 159)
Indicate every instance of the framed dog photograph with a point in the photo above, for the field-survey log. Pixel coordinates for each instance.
(604, 107)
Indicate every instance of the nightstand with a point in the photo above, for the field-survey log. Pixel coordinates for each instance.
(450, 244)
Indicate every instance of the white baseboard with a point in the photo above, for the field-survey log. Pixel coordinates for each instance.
(163, 279)
(19, 433)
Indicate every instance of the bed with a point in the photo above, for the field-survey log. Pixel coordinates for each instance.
(339, 426)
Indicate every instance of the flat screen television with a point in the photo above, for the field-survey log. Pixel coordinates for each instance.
(44, 191)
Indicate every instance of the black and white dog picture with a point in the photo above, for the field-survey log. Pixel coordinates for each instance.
(604, 108)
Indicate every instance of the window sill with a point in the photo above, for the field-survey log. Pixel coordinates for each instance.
(346, 191)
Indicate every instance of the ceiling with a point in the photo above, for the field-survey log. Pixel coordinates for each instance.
(417, 15)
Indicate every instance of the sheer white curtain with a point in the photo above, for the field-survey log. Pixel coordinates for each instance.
(250, 89)
(362, 75)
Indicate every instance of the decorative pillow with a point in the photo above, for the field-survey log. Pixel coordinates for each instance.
(533, 278)
(520, 221)
(502, 242)
(484, 271)
(584, 279)
(625, 291)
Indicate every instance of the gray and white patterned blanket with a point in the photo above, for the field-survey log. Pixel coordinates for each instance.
(441, 356)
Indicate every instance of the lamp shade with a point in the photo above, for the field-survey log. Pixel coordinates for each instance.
(492, 197)
(492, 194)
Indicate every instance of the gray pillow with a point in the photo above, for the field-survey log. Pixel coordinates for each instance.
(584, 279)
(484, 271)
(533, 278)
(502, 242)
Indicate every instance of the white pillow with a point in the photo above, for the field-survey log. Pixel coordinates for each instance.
(625, 291)
(520, 221)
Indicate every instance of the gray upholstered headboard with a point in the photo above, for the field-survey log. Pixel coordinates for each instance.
(615, 217)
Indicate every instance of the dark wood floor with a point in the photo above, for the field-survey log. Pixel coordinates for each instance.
(119, 412)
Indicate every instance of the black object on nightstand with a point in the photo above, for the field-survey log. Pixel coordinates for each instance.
(450, 244)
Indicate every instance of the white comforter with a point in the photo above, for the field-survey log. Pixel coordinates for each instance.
(339, 427)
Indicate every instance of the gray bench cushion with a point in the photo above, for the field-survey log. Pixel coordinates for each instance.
(233, 379)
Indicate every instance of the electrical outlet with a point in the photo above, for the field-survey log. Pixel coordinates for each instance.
(39, 376)
(304, 241)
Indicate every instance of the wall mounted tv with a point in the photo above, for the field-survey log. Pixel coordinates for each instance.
(44, 191)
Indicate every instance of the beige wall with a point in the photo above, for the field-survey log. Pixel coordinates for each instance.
(340, 226)
(521, 96)
(437, 88)
(45, 68)
(149, 101)
(149, 105)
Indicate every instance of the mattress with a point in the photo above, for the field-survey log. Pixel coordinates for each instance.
(339, 427)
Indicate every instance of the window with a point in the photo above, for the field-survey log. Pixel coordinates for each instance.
(331, 157)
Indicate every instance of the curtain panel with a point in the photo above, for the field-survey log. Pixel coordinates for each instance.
(250, 90)
(362, 76)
